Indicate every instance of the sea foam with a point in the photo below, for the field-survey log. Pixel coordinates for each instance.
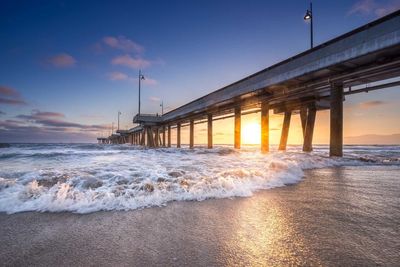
(89, 178)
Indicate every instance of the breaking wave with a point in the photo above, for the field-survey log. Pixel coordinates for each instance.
(87, 178)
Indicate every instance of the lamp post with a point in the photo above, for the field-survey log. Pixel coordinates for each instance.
(119, 113)
(309, 16)
(162, 108)
(141, 77)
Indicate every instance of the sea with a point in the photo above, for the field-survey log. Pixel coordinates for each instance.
(85, 178)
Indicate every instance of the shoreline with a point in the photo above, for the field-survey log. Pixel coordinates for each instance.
(322, 220)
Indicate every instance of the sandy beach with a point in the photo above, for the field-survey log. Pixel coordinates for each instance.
(335, 216)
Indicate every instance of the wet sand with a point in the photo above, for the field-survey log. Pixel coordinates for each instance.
(347, 216)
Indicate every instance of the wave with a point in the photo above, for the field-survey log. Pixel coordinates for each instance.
(95, 178)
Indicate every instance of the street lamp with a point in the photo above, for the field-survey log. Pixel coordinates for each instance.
(309, 16)
(119, 113)
(162, 108)
(141, 77)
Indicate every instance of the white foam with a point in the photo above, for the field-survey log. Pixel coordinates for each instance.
(128, 178)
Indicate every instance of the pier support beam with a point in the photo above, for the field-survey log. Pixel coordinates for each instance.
(163, 136)
(285, 130)
(209, 131)
(303, 119)
(238, 114)
(169, 136)
(156, 137)
(309, 129)
(143, 138)
(191, 133)
(264, 127)
(178, 135)
(336, 129)
(150, 138)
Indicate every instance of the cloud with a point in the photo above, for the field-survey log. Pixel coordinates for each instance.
(373, 7)
(62, 60)
(10, 96)
(39, 115)
(374, 103)
(149, 81)
(2, 113)
(55, 120)
(123, 43)
(117, 76)
(154, 99)
(130, 62)
(9, 92)
(12, 101)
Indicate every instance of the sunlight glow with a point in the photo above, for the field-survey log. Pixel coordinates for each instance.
(251, 133)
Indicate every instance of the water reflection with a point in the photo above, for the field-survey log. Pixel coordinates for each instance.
(263, 233)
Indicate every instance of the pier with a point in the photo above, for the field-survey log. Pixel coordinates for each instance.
(317, 79)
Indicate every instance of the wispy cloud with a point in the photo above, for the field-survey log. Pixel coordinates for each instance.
(373, 103)
(373, 7)
(117, 76)
(149, 81)
(10, 96)
(154, 99)
(123, 43)
(55, 119)
(130, 62)
(40, 115)
(62, 60)
(120, 76)
(2, 113)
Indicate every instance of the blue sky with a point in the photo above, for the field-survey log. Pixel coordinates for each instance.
(77, 61)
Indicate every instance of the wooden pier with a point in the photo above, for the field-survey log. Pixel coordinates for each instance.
(317, 79)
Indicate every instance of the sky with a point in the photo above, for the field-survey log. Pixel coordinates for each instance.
(68, 67)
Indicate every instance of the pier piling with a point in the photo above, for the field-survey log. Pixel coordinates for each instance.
(209, 131)
(178, 135)
(264, 127)
(285, 130)
(336, 124)
(191, 132)
(237, 127)
(169, 136)
(309, 129)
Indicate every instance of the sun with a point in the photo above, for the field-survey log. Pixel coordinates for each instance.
(251, 133)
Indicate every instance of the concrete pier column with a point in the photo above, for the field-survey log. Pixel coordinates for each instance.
(143, 138)
(264, 127)
(169, 136)
(209, 131)
(303, 119)
(336, 130)
(238, 114)
(191, 133)
(285, 130)
(156, 137)
(309, 131)
(178, 135)
(163, 136)
(150, 137)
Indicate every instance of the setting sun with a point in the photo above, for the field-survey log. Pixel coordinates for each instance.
(251, 133)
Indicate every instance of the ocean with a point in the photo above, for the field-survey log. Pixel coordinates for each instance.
(85, 178)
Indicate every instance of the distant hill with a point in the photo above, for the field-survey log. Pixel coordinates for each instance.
(371, 139)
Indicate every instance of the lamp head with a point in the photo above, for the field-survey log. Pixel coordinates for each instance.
(308, 15)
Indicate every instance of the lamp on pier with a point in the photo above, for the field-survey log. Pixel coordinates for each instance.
(141, 77)
(309, 16)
